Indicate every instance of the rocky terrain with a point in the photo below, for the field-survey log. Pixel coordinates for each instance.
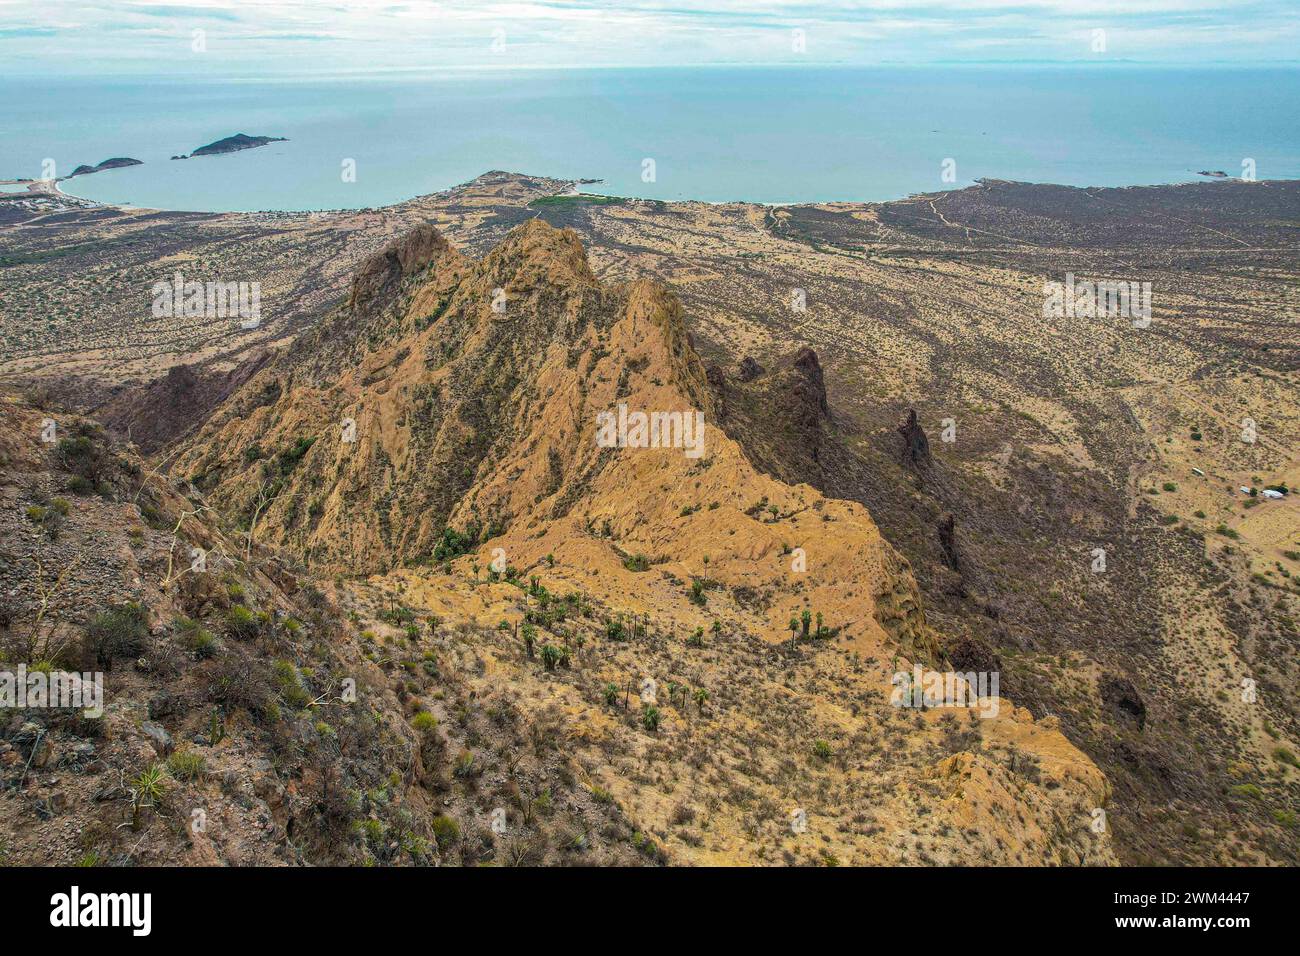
(886, 366)
(588, 644)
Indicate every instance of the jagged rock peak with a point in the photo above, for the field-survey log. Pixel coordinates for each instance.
(535, 251)
(403, 257)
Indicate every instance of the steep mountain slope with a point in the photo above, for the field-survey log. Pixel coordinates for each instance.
(472, 418)
(446, 421)
(245, 719)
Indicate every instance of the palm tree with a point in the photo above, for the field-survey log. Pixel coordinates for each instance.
(794, 630)
(701, 695)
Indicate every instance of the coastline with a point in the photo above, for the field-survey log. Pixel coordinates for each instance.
(572, 184)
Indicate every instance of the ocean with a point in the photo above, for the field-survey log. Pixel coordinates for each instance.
(771, 135)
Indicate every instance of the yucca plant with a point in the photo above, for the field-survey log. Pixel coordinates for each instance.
(147, 790)
(650, 718)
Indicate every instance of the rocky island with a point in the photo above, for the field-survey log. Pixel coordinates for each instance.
(233, 144)
(114, 163)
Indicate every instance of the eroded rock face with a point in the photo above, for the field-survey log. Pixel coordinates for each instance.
(948, 541)
(169, 407)
(779, 414)
(1123, 698)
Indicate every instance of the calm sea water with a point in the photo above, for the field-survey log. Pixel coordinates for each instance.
(764, 135)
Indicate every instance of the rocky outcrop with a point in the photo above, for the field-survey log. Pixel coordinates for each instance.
(916, 447)
(948, 541)
(749, 369)
(779, 415)
(1122, 697)
(380, 274)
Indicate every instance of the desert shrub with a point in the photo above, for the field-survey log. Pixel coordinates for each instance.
(697, 592)
(239, 681)
(85, 456)
(39, 396)
(446, 831)
(455, 543)
(195, 638)
(464, 765)
(120, 631)
(241, 623)
(186, 765)
(288, 459)
(290, 685)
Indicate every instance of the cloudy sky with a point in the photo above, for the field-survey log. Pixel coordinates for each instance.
(259, 37)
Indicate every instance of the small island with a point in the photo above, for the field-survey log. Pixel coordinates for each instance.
(233, 144)
(1214, 173)
(114, 163)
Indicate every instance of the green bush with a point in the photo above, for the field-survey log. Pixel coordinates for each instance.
(195, 638)
(446, 831)
(697, 592)
(289, 682)
(241, 623)
(650, 718)
(187, 765)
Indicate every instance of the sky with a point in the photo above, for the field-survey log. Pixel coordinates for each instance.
(266, 37)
